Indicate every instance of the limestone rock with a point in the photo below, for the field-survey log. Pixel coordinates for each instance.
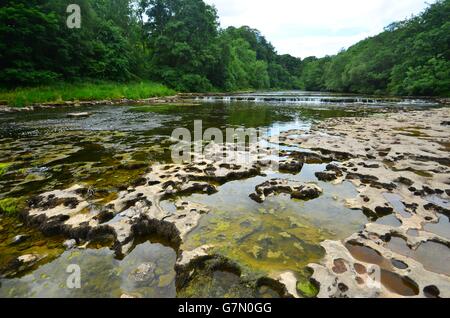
(70, 244)
(18, 239)
(396, 161)
(144, 273)
(295, 189)
(79, 115)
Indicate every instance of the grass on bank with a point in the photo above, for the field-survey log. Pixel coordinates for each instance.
(20, 97)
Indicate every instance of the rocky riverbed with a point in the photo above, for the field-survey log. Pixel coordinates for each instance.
(358, 208)
(398, 162)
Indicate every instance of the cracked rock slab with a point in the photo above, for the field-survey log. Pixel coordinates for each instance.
(396, 161)
(139, 210)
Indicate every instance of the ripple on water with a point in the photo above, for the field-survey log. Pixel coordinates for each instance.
(104, 118)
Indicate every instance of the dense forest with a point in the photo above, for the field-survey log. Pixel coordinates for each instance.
(180, 43)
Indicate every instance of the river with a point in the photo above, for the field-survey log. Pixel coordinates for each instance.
(45, 150)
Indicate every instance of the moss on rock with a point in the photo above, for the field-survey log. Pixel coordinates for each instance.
(4, 167)
(10, 206)
(307, 289)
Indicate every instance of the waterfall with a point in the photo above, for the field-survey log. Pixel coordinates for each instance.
(307, 98)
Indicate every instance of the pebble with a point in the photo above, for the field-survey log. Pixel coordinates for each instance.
(70, 244)
(18, 239)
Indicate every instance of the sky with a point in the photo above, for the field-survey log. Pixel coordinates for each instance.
(305, 28)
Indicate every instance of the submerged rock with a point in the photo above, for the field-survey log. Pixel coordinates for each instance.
(79, 115)
(297, 190)
(291, 166)
(326, 176)
(18, 239)
(127, 296)
(21, 264)
(29, 259)
(144, 273)
(70, 244)
(166, 280)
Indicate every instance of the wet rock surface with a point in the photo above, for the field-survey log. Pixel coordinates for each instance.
(296, 190)
(124, 101)
(78, 115)
(396, 161)
(22, 264)
(19, 239)
(128, 197)
(137, 211)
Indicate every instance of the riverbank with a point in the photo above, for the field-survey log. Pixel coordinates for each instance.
(82, 94)
(149, 93)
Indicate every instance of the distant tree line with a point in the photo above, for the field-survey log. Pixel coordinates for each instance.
(180, 43)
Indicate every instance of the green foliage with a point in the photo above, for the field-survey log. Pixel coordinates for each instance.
(432, 78)
(179, 43)
(82, 92)
(38, 48)
(409, 58)
(243, 70)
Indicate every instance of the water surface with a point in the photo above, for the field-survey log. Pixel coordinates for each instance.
(46, 150)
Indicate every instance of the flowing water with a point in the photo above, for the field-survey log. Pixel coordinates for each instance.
(45, 150)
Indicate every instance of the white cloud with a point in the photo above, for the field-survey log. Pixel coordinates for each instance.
(315, 27)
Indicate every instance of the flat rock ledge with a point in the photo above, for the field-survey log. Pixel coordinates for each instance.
(399, 163)
(203, 259)
(123, 101)
(297, 190)
(79, 115)
(138, 211)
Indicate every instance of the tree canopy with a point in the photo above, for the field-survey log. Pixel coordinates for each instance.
(180, 43)
(410, 57)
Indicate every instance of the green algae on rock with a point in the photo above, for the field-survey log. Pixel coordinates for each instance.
(307, 289)
(10, 206)
(4, 168)
(42, 248)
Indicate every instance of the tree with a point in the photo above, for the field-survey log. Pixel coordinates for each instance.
(179, 42)
(409, 57)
